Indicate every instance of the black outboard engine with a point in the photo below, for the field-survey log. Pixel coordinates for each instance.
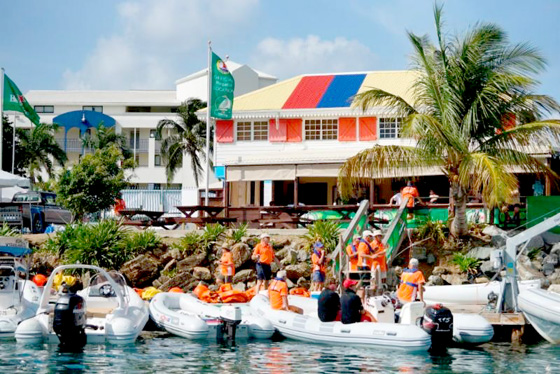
(70, 320)
(438, 322)
(230, 316)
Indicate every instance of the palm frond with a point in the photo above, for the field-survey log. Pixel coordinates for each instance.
(375, 96)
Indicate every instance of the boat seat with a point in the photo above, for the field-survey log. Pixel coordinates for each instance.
(410, 312)
(99, 312)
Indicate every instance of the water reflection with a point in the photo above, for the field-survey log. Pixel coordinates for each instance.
(165, 353)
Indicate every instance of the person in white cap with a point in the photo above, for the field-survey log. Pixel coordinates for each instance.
(412, 280)
(263, 255)
(379, 259)
(352, 252)
(278, 294)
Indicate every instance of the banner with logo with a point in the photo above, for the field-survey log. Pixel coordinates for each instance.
(222, 89)
(15, 101)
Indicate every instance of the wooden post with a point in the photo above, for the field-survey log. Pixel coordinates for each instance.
(547, 182)
(226, 198)
(296, 187)
(372, 192)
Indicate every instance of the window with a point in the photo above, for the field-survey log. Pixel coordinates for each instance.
(93, 108)
(157, 160)
(44, 108)
(252, 130)
(389, 128)
(138, 109)
(132, 139)
(321, 129)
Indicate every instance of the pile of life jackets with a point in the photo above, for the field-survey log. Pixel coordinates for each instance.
(300, 291)
(225, 294)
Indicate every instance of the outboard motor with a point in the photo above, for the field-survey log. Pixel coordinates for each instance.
(230, 316)
(438, 322)
(70, 320)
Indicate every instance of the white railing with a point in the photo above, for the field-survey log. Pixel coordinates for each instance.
(141, 145)
(154, 200)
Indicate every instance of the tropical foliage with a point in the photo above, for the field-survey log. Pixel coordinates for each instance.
(466, 264)
(104, 137)
(94, 183)
(6, 230)
(433, 230)
(328, 232)
(473, 114)
(237, 233)
(186, 138)
(142, 241)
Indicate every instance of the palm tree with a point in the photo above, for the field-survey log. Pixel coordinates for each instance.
(465, 92)
(35, 149)
(105, 137)
(187, 137)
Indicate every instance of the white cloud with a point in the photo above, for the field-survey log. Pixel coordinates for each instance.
(286, 58)
(154, 39)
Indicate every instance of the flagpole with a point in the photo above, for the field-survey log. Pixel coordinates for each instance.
(208, 108)
(14, 143)
(1, 116)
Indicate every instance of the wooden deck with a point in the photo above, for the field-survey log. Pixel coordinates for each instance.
(495, 319)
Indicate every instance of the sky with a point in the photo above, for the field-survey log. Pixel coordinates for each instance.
(149, 44)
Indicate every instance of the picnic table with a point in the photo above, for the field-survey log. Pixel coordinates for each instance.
(144, 218)
(205, 214)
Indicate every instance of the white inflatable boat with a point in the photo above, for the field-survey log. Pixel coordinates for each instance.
(469, 294)
(187, 316)
(19, 297)
(542, 309)
(469, 329)
(108, 311)
(309, 328)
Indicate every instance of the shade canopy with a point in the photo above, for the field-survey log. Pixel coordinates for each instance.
(83, 119)
(12, 180)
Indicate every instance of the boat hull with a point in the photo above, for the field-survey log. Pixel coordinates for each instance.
(542, 309)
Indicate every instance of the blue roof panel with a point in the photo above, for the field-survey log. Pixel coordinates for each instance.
(341, 91)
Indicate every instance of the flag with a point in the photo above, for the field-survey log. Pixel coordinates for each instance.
(15, 101)
(221, 98)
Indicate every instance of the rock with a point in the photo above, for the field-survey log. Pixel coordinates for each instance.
(274, 268)
(282, 253)
(169, 265)
(554, 278)
(487, 268)
(419, 253)
(547, 269)
(481, 280)
(554, 288)
(552, 259)
(251, 284)
(289, 283)
(536, 242)
(160, 281)
(527, 271)
(440, 270)
(191, 262)
(302, 282)
(172, 254)
(499, 241)
(555, 249)
(538, 265)
(184, 280)
(302, 255)
(239, 286)
(436, 280)
(290, 258)
(299, 270)
(241, 253)
(431, 259)
(141, 270)
(201, 273)
(245, 276)
(481, 253)
(454, 278)
(279, 243)
(550, 238)
(299, 244)
(43, 262)
(492, 230)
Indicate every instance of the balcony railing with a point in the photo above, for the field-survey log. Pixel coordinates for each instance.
(141, 145)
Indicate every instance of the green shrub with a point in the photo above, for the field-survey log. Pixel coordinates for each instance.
(212, 232)
(238, 233)
(466, 264)
(434, 230)
(141, 242)
(6, 230)
(61, 241)
(191, 243)
(327, 232)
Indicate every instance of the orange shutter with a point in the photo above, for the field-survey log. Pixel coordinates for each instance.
(293, 127)
(368, 128)
(224, 131)
(347, 129)
(277, 133)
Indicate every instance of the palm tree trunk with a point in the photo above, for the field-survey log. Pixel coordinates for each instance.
(459, 226)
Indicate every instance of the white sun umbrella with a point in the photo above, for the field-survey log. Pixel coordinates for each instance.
(10, 184)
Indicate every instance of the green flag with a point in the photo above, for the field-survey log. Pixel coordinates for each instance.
(222, 89)
(15, 101)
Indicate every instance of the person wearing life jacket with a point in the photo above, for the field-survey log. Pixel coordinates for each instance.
(411, 193)
(227, 266)
(365, 257)
(318, 259)
(278, 294)
(352, 252)
(263, 255)
(379, 259)
(412, 280)
(119, 205)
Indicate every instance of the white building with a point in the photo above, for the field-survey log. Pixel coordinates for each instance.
(135, 114)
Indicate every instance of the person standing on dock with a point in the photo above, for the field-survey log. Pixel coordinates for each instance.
(263, 255)
(352, 252)
(365, 257)
(318, 258)
(411, 193)
(227, 266)
(379, 259)
(412, 280)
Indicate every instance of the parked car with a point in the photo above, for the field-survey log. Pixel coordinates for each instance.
(39, 210)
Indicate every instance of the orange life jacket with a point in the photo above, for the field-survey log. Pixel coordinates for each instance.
(300, 291)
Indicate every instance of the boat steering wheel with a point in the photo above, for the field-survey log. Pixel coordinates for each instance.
(106, 290)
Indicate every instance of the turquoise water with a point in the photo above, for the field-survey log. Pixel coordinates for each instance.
(164, 353)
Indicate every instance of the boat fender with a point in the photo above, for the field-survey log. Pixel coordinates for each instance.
(70, 320)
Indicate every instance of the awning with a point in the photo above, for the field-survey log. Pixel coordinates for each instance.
(12, 180)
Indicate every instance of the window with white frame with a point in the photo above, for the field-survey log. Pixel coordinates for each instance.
(44, 108)
(93, 108)
(390, 128)
(257, 130)
(321, 129)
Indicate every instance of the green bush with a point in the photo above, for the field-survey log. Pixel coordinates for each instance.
(212, 232)
(6, 230)
(191, 243)
(434, 230)
(466, 264)
(141, 242)
(238, 233)
(327, 232)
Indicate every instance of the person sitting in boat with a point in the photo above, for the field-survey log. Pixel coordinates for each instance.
(412, 280)
(328, 306)
(379, 259)
(278, 294)
(319, 260)
(227, 266)
(352, 252)
(263, 255)
(350, 303)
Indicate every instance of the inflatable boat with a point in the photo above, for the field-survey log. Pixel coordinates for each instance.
(19, 297)
(187, 316)
(469, 294)
(542, 309)
(106, 311)
(309, 328)
(468, 329)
